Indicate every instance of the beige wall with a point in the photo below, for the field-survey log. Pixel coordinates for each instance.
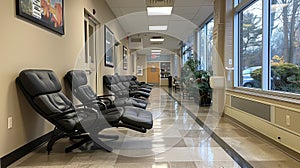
(142, 61)
(25, 45)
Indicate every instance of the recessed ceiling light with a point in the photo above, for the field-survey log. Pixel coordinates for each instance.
(159, 11)
(156, 50)
(157, 39)
(163, 27)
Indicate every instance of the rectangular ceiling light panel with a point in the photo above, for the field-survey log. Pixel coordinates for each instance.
(163, 27)
(152, 11)
(156, 50)
(157, 39)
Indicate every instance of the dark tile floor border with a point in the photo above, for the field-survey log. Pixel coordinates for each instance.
(229, 150)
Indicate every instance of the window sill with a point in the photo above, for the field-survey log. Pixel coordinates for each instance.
(278, 96)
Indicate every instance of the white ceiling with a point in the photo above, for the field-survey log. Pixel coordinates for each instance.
(186, 16)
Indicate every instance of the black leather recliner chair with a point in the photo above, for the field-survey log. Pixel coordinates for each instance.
(77, 82)
(113, 84)
(42, 89)
(125, 80)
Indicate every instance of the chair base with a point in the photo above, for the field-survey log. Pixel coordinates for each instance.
(84, 139)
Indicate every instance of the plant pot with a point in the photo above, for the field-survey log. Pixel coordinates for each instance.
(202, 100)
(205, 101)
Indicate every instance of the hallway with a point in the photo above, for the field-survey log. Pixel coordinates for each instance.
(176, 140)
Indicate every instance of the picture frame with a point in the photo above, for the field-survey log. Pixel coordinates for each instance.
(109, 47)
(49, 14)
(139, 70)
(125, 58)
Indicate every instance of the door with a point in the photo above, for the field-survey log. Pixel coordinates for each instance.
(90, 50)
(153, 73)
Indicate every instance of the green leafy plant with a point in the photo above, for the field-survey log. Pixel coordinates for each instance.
(285, 76)
(196, 81)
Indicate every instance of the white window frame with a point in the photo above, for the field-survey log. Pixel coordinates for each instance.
(266, 73)
(201, 27)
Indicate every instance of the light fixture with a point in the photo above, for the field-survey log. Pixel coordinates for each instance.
(152, 11)
(156, 50)
(162, 27)
(157, 39)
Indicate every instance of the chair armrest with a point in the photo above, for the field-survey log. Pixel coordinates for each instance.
(93, 102)
(108, 95)
(62, 114)
(102, 99)
(134, 86)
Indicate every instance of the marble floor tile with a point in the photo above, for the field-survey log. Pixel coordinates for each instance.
(193, 154)
(275, 164)
(217, 164)
(175, 141)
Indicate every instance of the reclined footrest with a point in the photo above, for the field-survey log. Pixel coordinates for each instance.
(138, 118)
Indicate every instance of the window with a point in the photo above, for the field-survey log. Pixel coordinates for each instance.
(205, 46)
(250, 42)
(209, 36)
(202, 48)
(187, 50)
(268, 52)
(284, 45)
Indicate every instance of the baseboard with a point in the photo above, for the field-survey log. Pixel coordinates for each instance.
(24, 150)
(288, 151)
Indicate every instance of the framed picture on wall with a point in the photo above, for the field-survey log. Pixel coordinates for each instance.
(47, 13)
(125, 58)
(108, 47)
(139, 70)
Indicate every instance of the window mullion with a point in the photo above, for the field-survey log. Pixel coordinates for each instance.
(265, 46)
(236, 50)
(243, 5)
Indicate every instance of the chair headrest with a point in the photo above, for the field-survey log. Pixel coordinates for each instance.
(123, 79)
(107, 79)
(110, 79)
(115, 79)
(38, 82)
(133, 77)
(76, 78)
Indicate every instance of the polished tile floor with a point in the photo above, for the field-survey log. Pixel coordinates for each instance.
(175, 141)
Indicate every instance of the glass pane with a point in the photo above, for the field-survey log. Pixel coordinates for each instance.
(285, 45)
(91, 44)
(202, 48)
(250, 45)
(85, 41)
(210, 27)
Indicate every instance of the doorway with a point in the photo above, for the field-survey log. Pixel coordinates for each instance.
(90, 50)
(153, 73)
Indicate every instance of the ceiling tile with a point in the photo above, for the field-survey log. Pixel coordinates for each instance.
(127, 10)
(117, 11)
(192, 3)
(126, 3)
(203, 13)
(181, 29)
(158, 20)
(186, 12)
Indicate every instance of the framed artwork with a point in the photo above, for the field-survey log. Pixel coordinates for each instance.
(109, 47)
(47, 13)
(125, 58)
(139, 70)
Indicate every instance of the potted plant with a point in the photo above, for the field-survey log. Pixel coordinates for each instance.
(203, 92)
(197, 82)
